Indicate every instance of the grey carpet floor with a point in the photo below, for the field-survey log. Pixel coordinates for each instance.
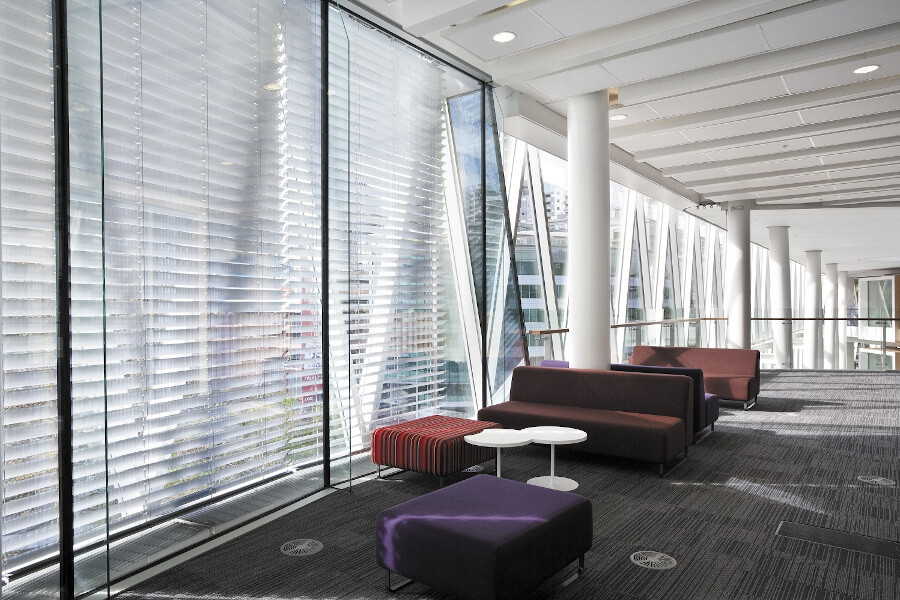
(794, 457)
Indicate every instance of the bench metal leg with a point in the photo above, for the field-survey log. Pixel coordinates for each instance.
(392, 588)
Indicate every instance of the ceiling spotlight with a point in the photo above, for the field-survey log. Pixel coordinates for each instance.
(618, 117)
(504, 36)
(866, 69)
(226, 163)
(273, 87)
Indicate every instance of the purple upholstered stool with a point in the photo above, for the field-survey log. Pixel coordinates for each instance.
(484, 538)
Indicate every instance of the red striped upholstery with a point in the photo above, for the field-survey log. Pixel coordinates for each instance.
(433, 445)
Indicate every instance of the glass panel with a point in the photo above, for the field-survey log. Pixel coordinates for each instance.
(618, 203)
(534, 306)
(28, 409)
(635, 308)
(506, 344)
(397, 344)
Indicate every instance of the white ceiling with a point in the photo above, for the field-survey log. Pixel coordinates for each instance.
(737, 100)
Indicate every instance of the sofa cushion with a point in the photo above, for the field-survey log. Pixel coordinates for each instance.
(730, 387)
(701, 419)
(484, 538)
(669, 395)
(655, 438)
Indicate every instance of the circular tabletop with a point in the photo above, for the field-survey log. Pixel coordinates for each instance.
(499, 438)
(549, 434)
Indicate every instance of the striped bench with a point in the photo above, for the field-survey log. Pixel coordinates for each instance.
(432, 445)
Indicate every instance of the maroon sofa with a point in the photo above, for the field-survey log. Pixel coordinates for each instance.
(630, 415)
(729, 373)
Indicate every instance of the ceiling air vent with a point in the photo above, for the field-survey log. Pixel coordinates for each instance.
(651, 559)
(301, 547)
(876, 480)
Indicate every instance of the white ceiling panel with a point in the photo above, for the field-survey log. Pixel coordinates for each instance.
(477, 36)
(761, 149)
(875, 154)
(581, 80)
(636, 114)
(743, 127)
(882, 183)
(851, 108)
(694, 52)
(773, 167)
(729, 95)
(878, 171)
(571, 17)
(812, 178)
(844, 137)
(822, 20)
(833, 75)
(668, 162)
(646, 142)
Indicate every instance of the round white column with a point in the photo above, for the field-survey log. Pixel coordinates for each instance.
(780, 284)
(829, 328)
(588, 274)
(812, 305)
(737, 275)
(845, 292)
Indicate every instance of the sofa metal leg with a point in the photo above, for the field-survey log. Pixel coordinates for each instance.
(749, 404)
(662, 469)
(712, 427)
(394, 588)
(379, 471)
(442, 481)
(581, 565)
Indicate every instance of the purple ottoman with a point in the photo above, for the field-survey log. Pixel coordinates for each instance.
(484, 538)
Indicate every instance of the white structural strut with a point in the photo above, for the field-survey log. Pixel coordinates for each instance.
(829, 329)
(845, 293)
(737, 273)
(588, 277)
(812, 340)
(780, 282)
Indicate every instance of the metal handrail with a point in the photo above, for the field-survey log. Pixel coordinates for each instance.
(547, 331)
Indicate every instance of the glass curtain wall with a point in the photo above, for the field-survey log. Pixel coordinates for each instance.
(665, 264)
(198, 296)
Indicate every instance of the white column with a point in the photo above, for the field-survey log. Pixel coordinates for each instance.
(845, 293)
(737, 274)
(588, 274)
(780, 285)
(812, 341)
(829, 328)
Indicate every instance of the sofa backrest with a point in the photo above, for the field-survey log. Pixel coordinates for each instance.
(559, 364)
(695, 374)
(668, 395)
(713, 361)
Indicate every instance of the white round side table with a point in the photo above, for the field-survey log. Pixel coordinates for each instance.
(499, 438)
(553, 436)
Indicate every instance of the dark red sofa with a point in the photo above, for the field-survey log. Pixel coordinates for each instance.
(729, 373)
(630, 415)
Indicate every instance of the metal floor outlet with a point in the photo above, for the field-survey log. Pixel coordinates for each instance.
(839, 539)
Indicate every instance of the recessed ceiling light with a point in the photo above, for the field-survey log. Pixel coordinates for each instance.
(273, 87)
(866, 69)
(227, 163)
(618, 117)
(79, 107)
(504, 36)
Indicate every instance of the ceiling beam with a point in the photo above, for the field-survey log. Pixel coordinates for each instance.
(825, 97)
(820, 205)
(766, 64)
(598, 45)
(782, 156)
(873, 162)
(828, 193)
(421, 17)
(739, 191)
(789, 133)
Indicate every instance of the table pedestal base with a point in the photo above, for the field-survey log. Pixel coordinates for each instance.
(554, 482)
